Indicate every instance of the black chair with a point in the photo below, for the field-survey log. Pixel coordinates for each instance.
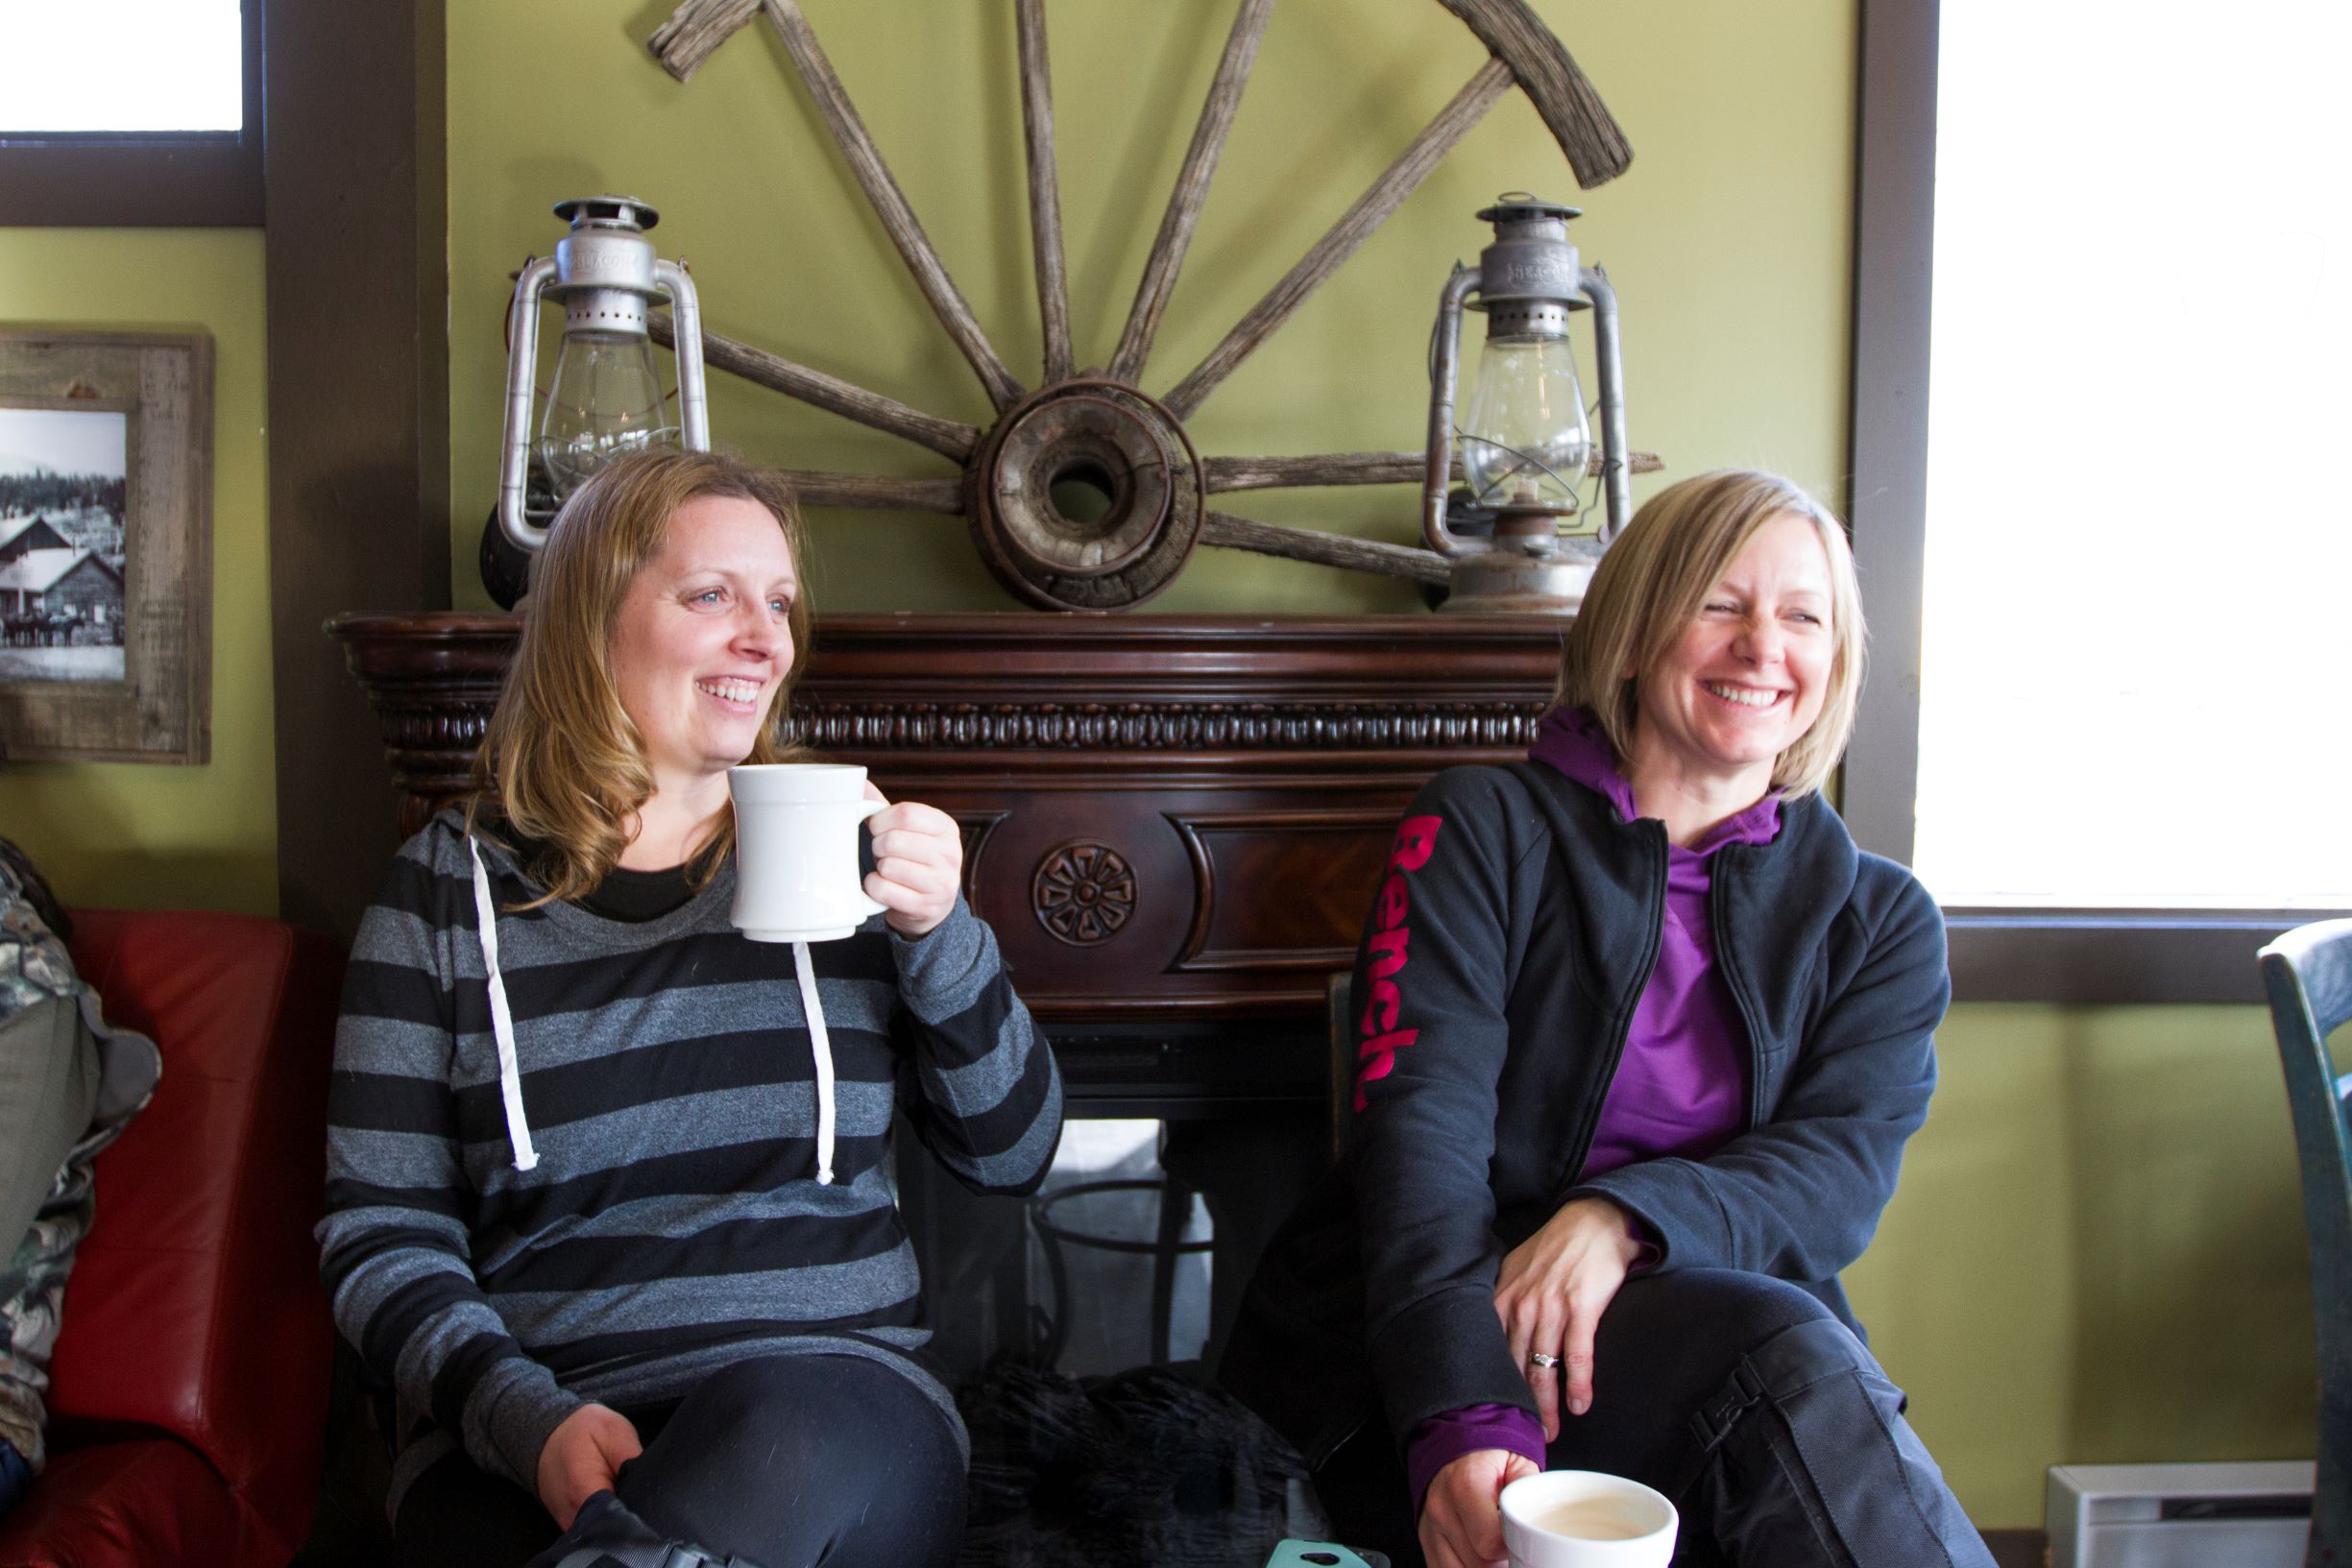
(1340, 1038)
(2307, 973)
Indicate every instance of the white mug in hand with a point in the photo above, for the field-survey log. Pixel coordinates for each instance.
(796, 850)
(1585, 1519)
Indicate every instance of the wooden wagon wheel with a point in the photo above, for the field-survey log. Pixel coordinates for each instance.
(1098, 431)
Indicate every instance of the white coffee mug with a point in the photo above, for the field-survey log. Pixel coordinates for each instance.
(1585, 1519)
(796, 850)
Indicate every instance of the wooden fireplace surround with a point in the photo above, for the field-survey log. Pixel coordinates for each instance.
(1173, 823)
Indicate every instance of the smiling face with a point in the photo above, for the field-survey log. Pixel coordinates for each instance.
(1748, 675)
(702, 640)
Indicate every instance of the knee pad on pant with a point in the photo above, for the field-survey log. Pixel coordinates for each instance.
(1782, 1366)
(1812, 1461)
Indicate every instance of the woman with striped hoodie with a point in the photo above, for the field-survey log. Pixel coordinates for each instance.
(610, 1199)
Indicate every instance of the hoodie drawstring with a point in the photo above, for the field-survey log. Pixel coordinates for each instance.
(501, 1020)
(821, 1047)
(510, 1076)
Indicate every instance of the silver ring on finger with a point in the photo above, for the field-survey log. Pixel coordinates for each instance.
(1542, 1359)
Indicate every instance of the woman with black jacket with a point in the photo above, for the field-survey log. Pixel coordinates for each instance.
(1640, 1037)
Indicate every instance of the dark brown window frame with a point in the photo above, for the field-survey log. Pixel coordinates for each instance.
(177, 179)
(2049, 955)
(359, 411)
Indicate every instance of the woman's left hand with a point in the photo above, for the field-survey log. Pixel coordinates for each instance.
(1461, 1516)
(1550, 1294)
(918, 864)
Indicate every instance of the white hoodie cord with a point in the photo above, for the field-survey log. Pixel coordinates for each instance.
(501, 1021)
(822, 1048)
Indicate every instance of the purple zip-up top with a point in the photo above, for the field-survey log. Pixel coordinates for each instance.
(1681, 1086)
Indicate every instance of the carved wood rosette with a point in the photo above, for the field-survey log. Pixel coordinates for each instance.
(1084, 892)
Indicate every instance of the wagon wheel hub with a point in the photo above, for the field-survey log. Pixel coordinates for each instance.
(1086, 495)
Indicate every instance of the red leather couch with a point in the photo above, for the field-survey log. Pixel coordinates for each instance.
(188, 1392)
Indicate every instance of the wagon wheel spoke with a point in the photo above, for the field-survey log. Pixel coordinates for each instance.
(694, 30)
(1562, 94)
(876, 491)
(829, 393)
(1225, 474)
(1044, 188)
(1356, 225)
(1229, 473)
(889, 204)
(1175, 230)
(1234, 532)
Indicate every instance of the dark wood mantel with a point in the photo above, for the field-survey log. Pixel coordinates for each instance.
(1168, 818)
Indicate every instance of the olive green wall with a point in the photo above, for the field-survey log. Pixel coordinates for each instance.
(155, 836)
(2096, 1255)
(2097, 1251)
(1727, 241)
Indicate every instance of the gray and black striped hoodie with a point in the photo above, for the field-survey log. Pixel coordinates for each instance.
(637, 1200)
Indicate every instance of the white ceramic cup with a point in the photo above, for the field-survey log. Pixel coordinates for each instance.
(796, 850)
(1585, 1519)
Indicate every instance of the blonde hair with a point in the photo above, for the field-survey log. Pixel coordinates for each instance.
(1652, 581)
(562, 761)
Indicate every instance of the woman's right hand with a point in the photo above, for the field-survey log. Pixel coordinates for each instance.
(1461, 1516)
(1550, 1294)
(582, 1457)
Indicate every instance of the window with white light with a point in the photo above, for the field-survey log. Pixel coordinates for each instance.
(2138, 519)
(127, 66)
(132, 113)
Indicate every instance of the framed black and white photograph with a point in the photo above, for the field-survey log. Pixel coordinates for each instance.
(106, 545)
(61, 491)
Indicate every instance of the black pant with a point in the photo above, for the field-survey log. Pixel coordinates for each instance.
(1742, 1399)
(788, 1462)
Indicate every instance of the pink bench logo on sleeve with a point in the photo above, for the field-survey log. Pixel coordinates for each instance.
(1379, 1039)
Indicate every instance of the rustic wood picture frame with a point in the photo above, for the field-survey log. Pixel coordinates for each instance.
(162, 709)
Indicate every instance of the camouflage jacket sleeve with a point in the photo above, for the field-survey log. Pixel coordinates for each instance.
(51, 1030)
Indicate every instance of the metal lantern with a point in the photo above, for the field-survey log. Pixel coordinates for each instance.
(1517, 537)
(606, 397)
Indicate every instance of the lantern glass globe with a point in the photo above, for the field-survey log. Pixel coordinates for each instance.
(1524, 437)
(605, 403)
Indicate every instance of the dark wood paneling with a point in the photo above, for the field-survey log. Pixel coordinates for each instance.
(2018, 1548)
(1326, 862)
(2097, 957)
(1894, 254)
(358, 414)
(1216, 792)
(129, 184)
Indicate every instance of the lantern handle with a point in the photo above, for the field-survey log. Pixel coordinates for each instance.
(521, 377)
(1617, 461)
(1444, 372)
(685, 312)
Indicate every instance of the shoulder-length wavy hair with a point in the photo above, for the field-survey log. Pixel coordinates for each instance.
(1652, 581)
(562, 761)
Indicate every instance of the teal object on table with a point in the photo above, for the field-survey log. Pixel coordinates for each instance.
(1297, 1554)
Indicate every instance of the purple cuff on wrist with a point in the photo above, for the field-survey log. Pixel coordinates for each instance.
(1440, 1440)
(1645, 1239)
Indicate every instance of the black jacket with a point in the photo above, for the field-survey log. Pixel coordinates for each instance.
(1531, 918)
